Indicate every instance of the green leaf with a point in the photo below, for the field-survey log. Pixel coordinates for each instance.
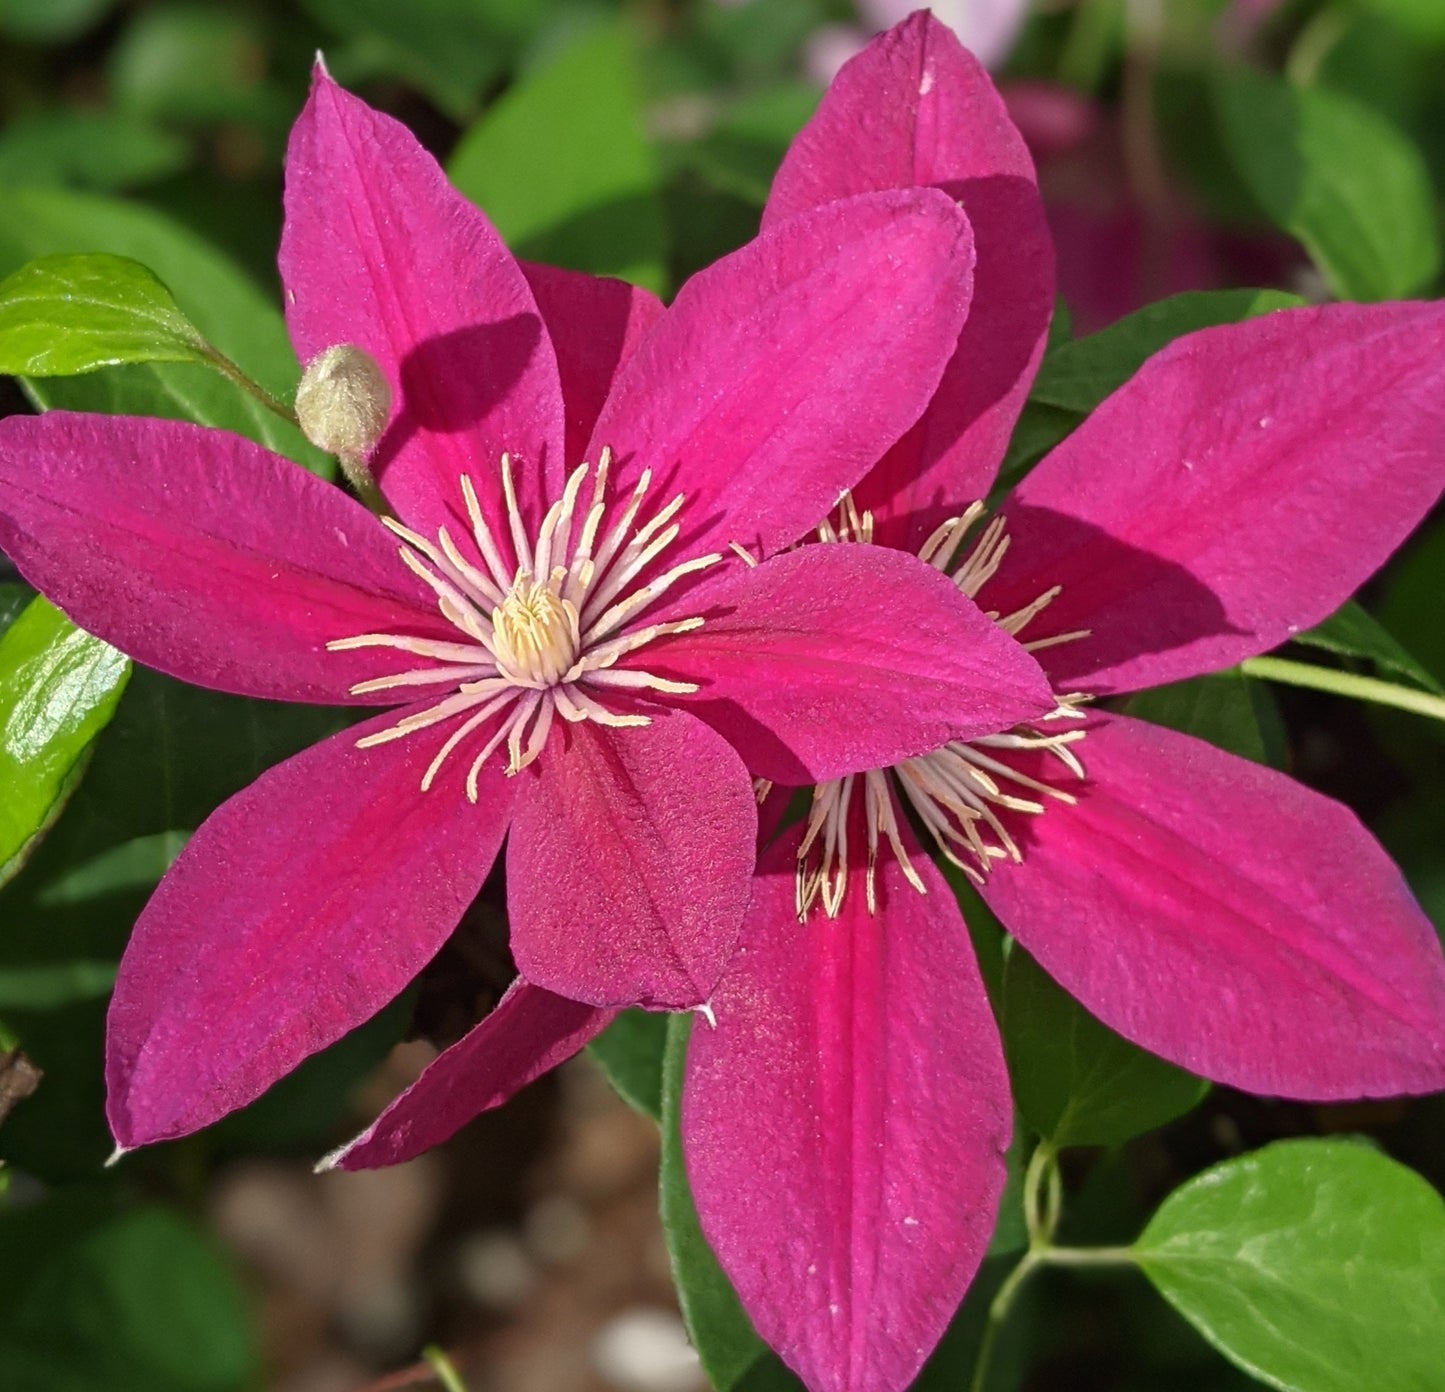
(132, 865)
(1318, 1266)
(561, 166)
(99, 1301)
(1228, 709)
(194, 63)
(630, 1052)
(449, 48)
(1339, 177)
(742, 152)
(45, 988)
(1425, 19)
(1074, 1079)
(63, 315)
(1352, 632)
(50, 21)
(1079, 374)
(14, 598)
(221, 301)
(58, 689)
(721, 1332)
(96, 149)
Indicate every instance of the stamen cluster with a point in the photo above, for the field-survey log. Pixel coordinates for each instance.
(958, 792)
(538, 639)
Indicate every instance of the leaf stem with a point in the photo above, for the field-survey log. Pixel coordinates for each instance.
(443, 1367)
(228, 369)
(1043, 1206)
(1339, 683)
(997, 1313)
(1088, 1256)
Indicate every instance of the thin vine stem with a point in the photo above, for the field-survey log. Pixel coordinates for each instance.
(1372, 689)
(1043, 1207)
(229, 370)
(444, 1368)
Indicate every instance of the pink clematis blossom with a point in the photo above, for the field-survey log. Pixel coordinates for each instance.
(566, 638)
(845, 1121)
(1236, 491)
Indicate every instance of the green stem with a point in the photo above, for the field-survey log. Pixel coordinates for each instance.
(445, 1371)
(1043, 1206)
(1040, 1219)
(228, 369)
(1315, 42)
(1339, 683)
(1088, 1256)
(998, 1311)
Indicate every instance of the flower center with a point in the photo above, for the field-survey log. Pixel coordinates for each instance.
(540, 638)
(964, 793)
(535, 633)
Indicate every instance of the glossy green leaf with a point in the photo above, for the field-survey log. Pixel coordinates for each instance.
(62, 315)
(1076, 1081)
(1318, 1266)
(58, 689)
(630, 1052)
(1228, 709)
(223, 303)
(1080, 373)
(95, 149)
(721, 1332)
(1352, 632)
(1337, 176)
(561, 166)
(99, 1301)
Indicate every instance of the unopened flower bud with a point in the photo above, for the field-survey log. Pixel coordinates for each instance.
(343, 402)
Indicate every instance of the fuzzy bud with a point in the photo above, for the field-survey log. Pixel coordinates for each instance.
(343, 402)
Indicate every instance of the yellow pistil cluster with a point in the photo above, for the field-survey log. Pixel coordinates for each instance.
(540, 638)
(958, 792)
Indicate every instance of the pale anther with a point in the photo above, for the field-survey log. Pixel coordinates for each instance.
(539, 631)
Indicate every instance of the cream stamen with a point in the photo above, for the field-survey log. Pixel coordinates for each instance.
(960, 793)
(540, 638)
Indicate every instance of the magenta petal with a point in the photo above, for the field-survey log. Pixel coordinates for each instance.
(836, 658)
(378, 250)
(530, 1032)
(594, 323)
(299, 909)
(784, 371)
(1238, 490)
(1230, 920)
(203, 555)
(629, 863)
(916, 108)
(844, 1125)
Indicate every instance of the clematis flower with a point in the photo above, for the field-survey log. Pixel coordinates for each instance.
(1236, 491)
(560, 605)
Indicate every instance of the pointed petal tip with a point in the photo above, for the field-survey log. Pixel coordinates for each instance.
(320, 73)
(116, 1155)
(333, 1158)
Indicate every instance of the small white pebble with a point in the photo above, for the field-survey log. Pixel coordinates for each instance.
(646, 1350)
(495, 1270)
(556, 1230)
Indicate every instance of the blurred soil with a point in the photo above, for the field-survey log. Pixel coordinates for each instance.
(528, 1248)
